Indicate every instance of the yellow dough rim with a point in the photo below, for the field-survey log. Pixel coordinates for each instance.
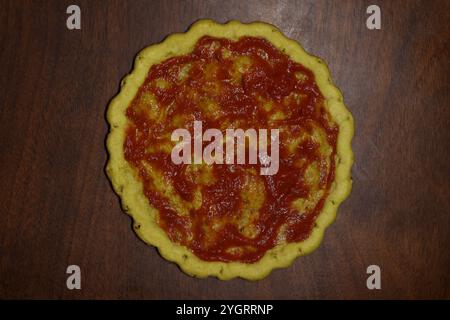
(130, 189)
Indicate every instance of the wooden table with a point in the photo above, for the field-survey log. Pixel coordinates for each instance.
(58, 208)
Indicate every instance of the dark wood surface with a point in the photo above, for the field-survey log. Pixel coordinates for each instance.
(58, 208)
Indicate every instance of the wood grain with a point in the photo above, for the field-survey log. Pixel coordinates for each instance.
(58, 208)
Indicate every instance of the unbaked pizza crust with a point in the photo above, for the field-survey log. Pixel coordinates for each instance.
(127, 185)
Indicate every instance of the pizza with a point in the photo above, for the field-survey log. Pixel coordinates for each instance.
(205, 206)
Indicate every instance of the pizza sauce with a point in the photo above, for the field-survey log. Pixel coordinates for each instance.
(229, 212)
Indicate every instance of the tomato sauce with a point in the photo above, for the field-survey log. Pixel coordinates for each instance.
(271, 76)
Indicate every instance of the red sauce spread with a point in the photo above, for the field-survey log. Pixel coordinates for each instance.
(232, 84)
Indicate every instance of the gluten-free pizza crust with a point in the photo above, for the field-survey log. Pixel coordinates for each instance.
(227, 220)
